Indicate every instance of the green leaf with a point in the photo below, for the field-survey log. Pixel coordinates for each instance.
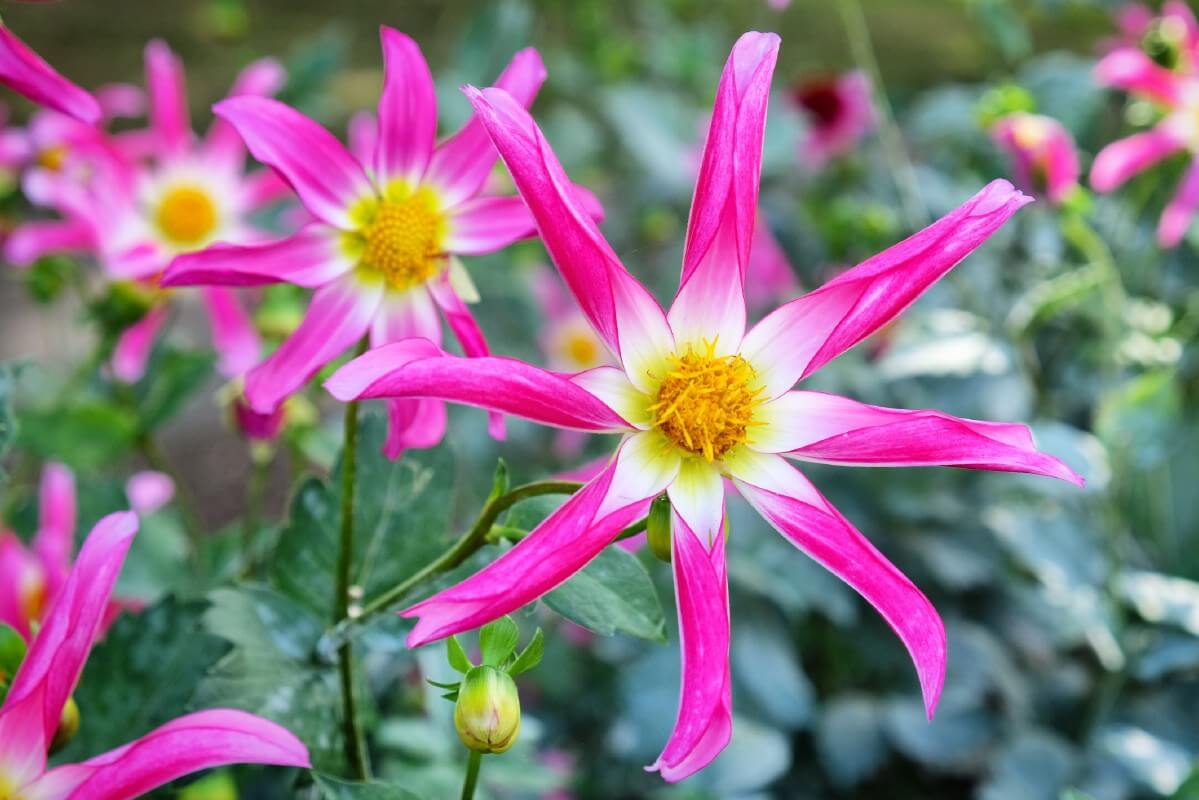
(497, 641)
(270, 670)
(457, 656)
(336, 789)
(613, 594)
(530, 656)
(172, 377)
(401, 518)
(144, 673)
(12, 652)
(85, 437)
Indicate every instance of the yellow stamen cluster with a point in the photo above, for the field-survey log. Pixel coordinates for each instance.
(404, 239)
(32, 596)
(706, 402)
(187, 216)
(52, 158)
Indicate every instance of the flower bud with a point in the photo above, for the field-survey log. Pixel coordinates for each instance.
(68, 726)
(657, 528)
(487, 713)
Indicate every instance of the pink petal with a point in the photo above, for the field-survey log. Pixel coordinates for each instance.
(1061, 163)
(190, 743)
(697, 497)
(556, 549)
(705, 721)
(20, 570)
(311, 258)
(363, 132)
(467, 332)
(55, 539)
(413, 424)
(487, 224)
(168, 99)
(340, 313)
(621, 310)
(233, 335)
(33, 240)
(1132, 70)
(461, 164)
(26, 73)
(325, 176)
(1177, 216)
(792, 505)
(121, 100)
(1124, 158)
(711, 299)
(149, 491)
(57, 654)
(265, 187)
(134, 345)
(261, 79)
(407, 110)
(1178, 11)
(407, 369)
(800, 337)
(836, 430)
(770, 276)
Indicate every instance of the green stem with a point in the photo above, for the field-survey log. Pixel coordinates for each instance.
(459, 551)
(355, 744)
(472, 775)
(255, 490)
(902, 171)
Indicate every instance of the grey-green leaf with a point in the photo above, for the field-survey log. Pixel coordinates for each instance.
(613, 594)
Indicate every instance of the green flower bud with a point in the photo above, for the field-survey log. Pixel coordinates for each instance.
(657, 528)
(487, 714)
(68, 726)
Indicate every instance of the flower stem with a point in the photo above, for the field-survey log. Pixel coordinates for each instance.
(255, 490)
(459, 551)
(472, 775)
(355, 743)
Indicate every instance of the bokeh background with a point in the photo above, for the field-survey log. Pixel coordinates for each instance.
(1073, 616)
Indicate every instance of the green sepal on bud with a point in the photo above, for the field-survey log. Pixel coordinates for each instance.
(657, 528)
(487, 711)
(68, 726)
(1007, 98)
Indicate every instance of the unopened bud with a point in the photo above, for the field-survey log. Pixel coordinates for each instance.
(487, 713)
(657, 528)
(68, 726)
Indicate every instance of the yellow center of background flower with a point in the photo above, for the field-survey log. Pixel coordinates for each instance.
(705, 403)
(582, 349)
(187, 216)
(52, 158)
(33, 597)
(404, 239)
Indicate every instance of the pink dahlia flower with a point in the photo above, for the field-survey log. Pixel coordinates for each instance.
(32, 578)
(697, 400)
(839, 111)
(1177, 95)
(26, 73)
(391, 219)
(1042, 154)
(32, 710)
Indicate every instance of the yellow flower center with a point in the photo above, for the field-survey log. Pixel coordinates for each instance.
(32, 595)
(8, 789)
(1030, 133)
(705, 404)
(187, 216)
(582, 350)
(403, 238)
(52, 158)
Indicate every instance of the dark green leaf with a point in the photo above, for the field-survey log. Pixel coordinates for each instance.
(335, 789)
(497, 641)
(613, 594)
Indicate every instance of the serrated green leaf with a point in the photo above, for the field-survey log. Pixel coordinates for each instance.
(530, 656)
(337, 789)
(457, 656)
(497, 641)
(613, 594)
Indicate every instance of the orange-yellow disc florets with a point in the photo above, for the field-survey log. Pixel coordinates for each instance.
(706, 402)
(187, 216)
(403, 239)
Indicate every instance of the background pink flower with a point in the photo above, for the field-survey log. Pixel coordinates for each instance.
(1042, 154)
(839, 111)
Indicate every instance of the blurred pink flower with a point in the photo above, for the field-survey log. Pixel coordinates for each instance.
(839, 111)
(32, 578)
(698, 401)
(392, 215)
(255, 425)
(26, 73)
(1177, 95)
(136, 214)
(149, 491)
(1175, 28)
(30, 714)
(1042, 153)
